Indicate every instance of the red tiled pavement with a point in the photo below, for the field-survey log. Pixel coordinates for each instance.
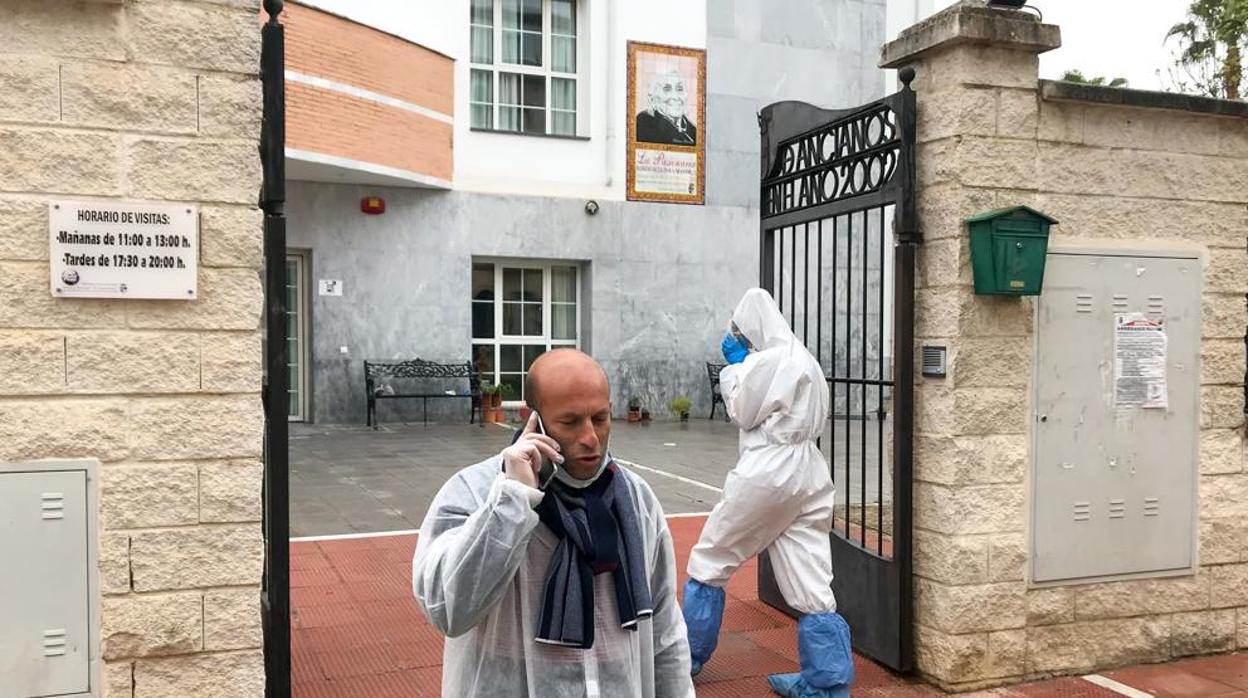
(1063, 688)
(356, 632)
(1231, 670)
(1208, 677)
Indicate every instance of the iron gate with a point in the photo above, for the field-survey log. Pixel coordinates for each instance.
(832, 182)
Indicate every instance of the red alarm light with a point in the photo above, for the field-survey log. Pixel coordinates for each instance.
(373, 205)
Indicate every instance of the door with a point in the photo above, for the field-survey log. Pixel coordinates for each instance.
(1117, 393)
(297, 336)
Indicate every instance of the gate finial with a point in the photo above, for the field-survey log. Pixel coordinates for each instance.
(906, 75)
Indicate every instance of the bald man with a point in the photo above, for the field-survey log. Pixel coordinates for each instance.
(560, 585)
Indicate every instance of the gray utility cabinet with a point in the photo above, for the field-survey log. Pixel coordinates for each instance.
(49, 600)
(1115, 448)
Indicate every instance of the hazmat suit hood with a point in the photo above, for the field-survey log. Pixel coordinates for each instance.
(758, 318)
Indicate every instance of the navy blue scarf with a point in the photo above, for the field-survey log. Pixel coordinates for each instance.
(598, 533)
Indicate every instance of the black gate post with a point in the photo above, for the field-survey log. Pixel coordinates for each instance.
(906, 227)
(275, 603)
(767, 260)
(766, 242)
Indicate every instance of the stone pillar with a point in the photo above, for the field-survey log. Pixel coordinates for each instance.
(976, 84)
(157, 102)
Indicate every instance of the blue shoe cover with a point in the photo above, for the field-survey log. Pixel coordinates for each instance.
(824, 650)
(794, 686)
(704, 611)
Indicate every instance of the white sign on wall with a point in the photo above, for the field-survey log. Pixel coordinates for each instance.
(331, 287)
(101, 249)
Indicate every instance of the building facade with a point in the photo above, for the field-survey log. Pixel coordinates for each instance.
(497, 134)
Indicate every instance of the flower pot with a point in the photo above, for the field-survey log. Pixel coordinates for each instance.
(634, 415)
(492, 415)
(684, 417)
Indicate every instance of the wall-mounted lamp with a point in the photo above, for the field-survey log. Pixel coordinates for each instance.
(1016, 5)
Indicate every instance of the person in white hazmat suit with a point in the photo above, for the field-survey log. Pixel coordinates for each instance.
(554, 585)
(778, 498)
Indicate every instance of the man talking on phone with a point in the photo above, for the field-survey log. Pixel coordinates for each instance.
(549, 568)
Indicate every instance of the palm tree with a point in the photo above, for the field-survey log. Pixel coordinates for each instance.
(1213, 40)
(1079, 77)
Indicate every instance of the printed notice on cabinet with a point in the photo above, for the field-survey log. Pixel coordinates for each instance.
(1140, 362)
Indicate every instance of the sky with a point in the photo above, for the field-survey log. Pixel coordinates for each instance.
(1111, 38)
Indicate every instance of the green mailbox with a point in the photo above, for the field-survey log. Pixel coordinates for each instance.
(1007, 251)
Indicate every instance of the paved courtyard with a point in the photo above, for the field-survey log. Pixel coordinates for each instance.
(353, 479)
(358, 633)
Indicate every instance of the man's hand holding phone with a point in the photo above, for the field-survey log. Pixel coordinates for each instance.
(522, 460)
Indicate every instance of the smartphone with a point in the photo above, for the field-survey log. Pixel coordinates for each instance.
(548, 469)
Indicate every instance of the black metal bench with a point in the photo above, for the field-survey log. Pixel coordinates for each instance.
(712, 372)
(421, 379)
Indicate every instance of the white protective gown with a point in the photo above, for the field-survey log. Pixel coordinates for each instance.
(478, 574)
(780, 496)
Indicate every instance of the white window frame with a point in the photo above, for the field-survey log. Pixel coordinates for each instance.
(545, 340)
(300, 283)
(545, 70)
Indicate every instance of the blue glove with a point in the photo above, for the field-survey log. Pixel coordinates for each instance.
(734, 350)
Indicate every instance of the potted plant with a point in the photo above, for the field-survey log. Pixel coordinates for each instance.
(634, 409)
(645, 417)
(492, 401)
(490, 397)
(504, 392)
(680, 407)
(487, 402)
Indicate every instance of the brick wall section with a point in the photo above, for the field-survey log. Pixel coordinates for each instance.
(327, 46)
(988, 140)
(147, 100)
(335, 123)
(325, 121)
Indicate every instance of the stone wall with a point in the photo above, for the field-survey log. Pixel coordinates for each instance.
(992, 136)
(145, 101)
